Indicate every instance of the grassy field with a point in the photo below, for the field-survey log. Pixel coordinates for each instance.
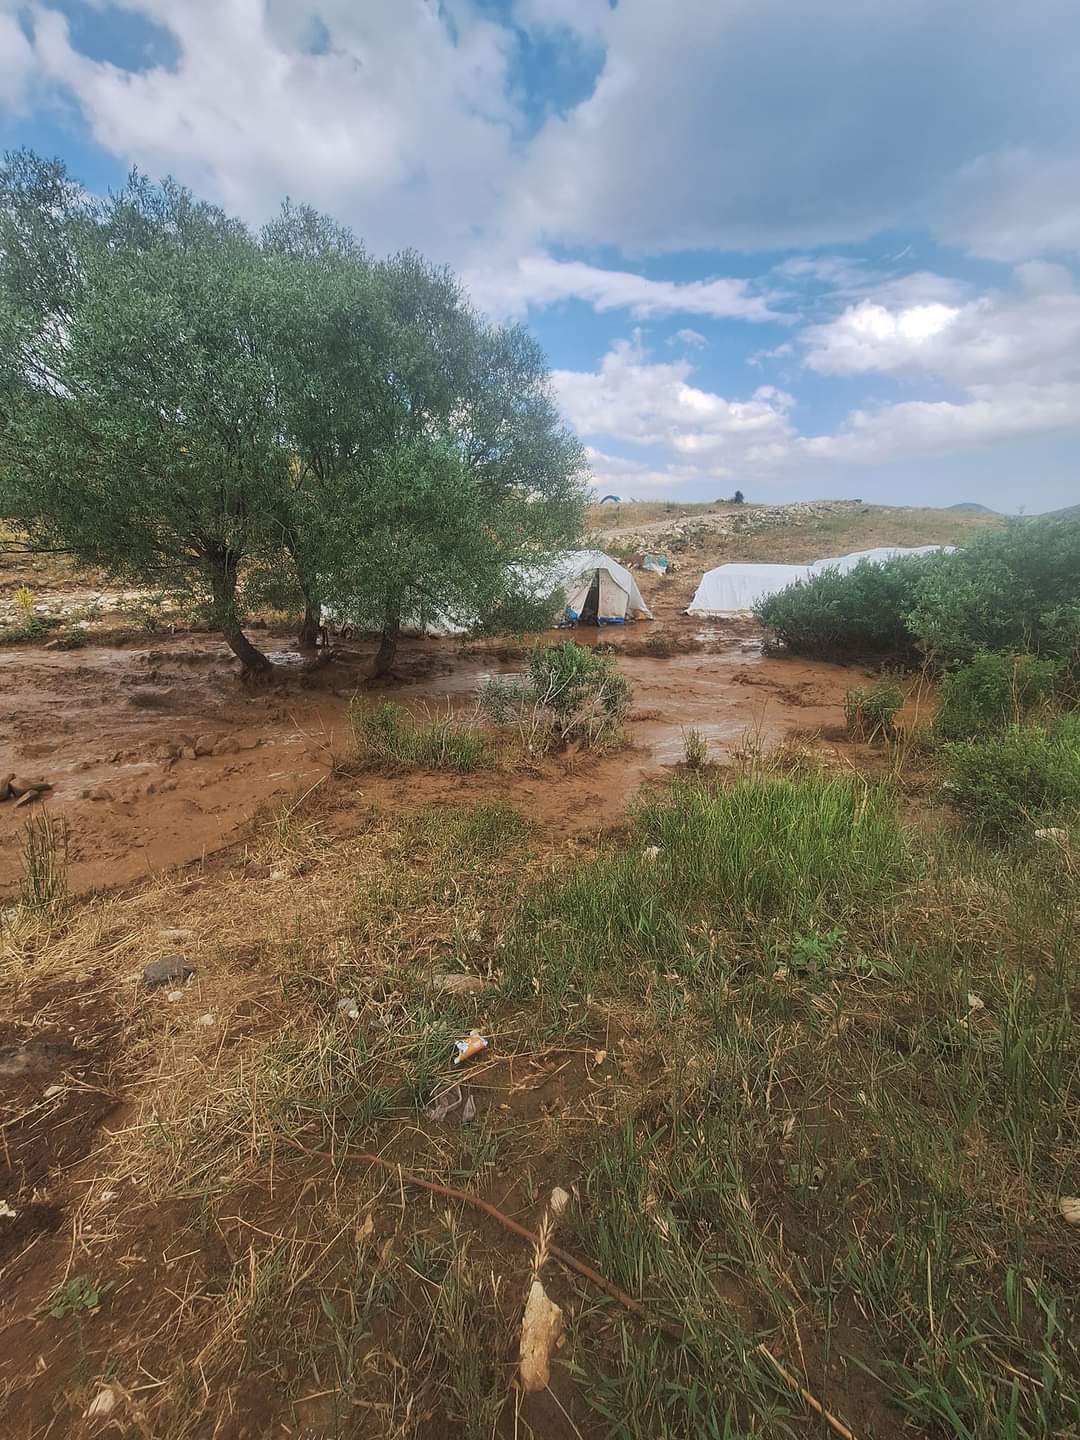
(804, 1058)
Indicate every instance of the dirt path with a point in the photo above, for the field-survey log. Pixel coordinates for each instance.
(113, 729)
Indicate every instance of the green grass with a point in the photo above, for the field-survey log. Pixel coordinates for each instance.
(386, 734)
(870, 711)
(716, 877)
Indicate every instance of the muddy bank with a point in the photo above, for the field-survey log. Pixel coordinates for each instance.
(158, 755)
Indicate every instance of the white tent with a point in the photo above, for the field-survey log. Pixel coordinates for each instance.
(844, 563)
(736, 589)
(598, 589)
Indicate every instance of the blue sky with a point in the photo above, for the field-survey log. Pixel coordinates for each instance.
(796, 249)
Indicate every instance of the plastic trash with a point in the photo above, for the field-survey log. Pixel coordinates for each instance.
(465, 1050)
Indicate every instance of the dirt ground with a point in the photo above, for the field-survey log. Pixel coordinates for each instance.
(113, 730)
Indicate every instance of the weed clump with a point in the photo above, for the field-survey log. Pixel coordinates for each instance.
(991, 693)
(45, 864)
(870, 711)
(387, 734)
(570, 693)
(1025, 777)
(695, 750)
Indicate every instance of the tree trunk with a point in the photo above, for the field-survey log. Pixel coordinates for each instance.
(223, 589)
(384, 656)
(311, 626)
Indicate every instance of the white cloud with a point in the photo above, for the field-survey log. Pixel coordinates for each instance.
(717, 125)
(539, 280)
(1030, 334)
(401, 123)
(653, 404)
(693, 338)
(923, 427)
(16, 58)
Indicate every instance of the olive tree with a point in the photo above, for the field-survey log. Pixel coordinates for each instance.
(440, 463)
(139, 419)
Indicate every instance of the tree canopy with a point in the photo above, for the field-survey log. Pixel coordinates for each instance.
(187, 404)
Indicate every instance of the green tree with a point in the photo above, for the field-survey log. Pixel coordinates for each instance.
(138, 388)
(433, 460)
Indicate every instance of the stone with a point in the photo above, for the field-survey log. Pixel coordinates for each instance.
(558, 1202)
(103, 1403)
(188, 752)
(170, 968)
(24, 785)
(100, 792)
(541, 1330)
(458, 984)
(176, 937)
(227, 745)
(204, 745)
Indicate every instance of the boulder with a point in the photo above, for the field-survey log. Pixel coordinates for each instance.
(168, 970)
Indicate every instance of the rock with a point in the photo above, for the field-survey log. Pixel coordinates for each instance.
(349, 1008)
(5, 786)
(458, 984)
(174, 997)
(227, 745)
(100, 792)
(558, 1202)
(1069, 1206)
(208, 1019)
(1054, 834)
(29, 797)
(204, 745)
(22, 785)
(148, 699)
(171, 968)
(541, 1330)
(103, 1403)
(188, 752)
(176, 937)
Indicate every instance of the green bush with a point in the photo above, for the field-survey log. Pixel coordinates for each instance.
(388, 734)
(1010, 589)
(839, 616)
(870, 711)
(1027, 777)
(1007, 590)
(992, 693)
(569, 678)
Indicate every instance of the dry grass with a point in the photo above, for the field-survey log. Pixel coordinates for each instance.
(785, 1122)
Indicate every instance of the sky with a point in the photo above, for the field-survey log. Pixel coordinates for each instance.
(800, 248)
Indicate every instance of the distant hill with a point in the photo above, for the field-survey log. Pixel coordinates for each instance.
(1070, 512)
(972, 507)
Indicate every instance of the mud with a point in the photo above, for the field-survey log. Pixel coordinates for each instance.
(114, 730)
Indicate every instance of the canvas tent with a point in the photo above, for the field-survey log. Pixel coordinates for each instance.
(736, 589)
(598, 590)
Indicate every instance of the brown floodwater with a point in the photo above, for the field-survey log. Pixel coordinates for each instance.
(104, 725)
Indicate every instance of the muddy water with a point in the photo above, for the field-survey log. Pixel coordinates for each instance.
(102, 724)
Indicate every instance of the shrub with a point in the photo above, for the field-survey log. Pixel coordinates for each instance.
(571, 678)
(1028, 776)
(1010, 589)
(388, 734)
(992, 693)
(569, 693)
(835, 615)
(695, 749)
(870, 711)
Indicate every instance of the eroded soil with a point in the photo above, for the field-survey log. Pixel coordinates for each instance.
(113, 729)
